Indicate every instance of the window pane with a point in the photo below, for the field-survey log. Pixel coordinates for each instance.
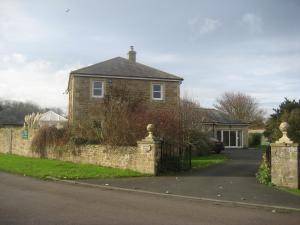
(157, 87)
(226, 138)
(232, 138)
(156, 95)
(97, 84)
(97, 92)
(219, 137)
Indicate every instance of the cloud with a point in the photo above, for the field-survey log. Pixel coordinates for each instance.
(261, 70)
(38, 80)
(252, 22)
(152, 58)
(200, 27)
(16, 25)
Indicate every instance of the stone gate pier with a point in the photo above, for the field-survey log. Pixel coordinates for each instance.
(285, 161)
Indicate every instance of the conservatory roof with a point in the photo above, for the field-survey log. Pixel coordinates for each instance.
(52, 116)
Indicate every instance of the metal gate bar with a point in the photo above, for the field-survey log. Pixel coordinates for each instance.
(174, 158)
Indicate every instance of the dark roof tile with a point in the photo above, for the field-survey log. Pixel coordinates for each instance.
(216, 116)
(122, 67)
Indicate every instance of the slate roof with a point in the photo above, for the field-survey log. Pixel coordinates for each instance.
(121, 67)
(216, 116)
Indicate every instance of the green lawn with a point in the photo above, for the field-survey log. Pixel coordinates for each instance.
(41, 168)
(205, 161)
(290, 190)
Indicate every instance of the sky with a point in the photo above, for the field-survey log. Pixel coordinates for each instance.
(251, 47)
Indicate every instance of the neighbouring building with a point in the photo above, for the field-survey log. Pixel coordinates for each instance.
(51, 118)
(233, 133)
(263, 140)
(89, 86)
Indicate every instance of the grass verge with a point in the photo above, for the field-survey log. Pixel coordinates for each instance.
(205, 161)
(290, 190)
(42, 168)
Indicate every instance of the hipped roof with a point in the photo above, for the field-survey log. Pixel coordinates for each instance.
(218, 117)
(121, 67)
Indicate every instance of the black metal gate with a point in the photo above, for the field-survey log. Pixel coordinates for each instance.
(174, 158)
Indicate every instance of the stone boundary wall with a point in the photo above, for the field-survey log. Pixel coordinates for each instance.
(143, 158)
(285, 160)
(285, 166)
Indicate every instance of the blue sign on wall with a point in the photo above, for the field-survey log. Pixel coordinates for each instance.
(25, 134)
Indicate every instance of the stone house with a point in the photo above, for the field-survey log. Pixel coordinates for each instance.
(233, 133)
(89, 86)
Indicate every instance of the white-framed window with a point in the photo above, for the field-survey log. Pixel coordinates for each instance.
(157, 92)
(97, 89)
(231, 138)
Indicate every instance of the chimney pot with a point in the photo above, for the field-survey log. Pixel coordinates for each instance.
(132, 55)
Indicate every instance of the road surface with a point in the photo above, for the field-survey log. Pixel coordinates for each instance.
(25, 201)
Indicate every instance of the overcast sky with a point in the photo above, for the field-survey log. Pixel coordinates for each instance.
(216, 46)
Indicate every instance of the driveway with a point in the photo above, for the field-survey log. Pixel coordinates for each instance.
(232, 181)
(27, 201)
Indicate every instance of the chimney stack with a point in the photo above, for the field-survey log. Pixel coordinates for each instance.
(132, 55)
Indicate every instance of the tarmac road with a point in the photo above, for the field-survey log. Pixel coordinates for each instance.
(25, 201)
(232, 181)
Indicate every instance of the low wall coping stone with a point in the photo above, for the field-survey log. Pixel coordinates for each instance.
(284, 145)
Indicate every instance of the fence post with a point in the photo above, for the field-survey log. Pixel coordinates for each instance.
(150, 149)
(285, 161)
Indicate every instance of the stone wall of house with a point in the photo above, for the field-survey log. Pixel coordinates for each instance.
(71, 99)
(285, 168)
(142, 158)
(83, 107)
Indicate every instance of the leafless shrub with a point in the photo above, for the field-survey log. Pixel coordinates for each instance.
(192, 128)
(49, 137)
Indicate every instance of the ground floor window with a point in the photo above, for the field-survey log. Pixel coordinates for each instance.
(231, 138)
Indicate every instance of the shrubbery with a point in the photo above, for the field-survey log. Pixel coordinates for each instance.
(264, 173)
(255, 139)
(124, 118)
(49, 137)
(288, 111)
(199, 142)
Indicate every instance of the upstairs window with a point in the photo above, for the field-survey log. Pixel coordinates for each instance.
(157, 91)
(98, 90)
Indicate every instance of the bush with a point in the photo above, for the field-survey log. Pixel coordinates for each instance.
(78, 141)
(255, 139)
(264, 173)
(86, 133)
(288, 111)
(124, 116)
(49, 137)
(200, 143)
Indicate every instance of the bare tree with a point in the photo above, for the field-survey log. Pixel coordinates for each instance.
(193, 130)
(191, 116)
(241, 107)
(15, 111)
